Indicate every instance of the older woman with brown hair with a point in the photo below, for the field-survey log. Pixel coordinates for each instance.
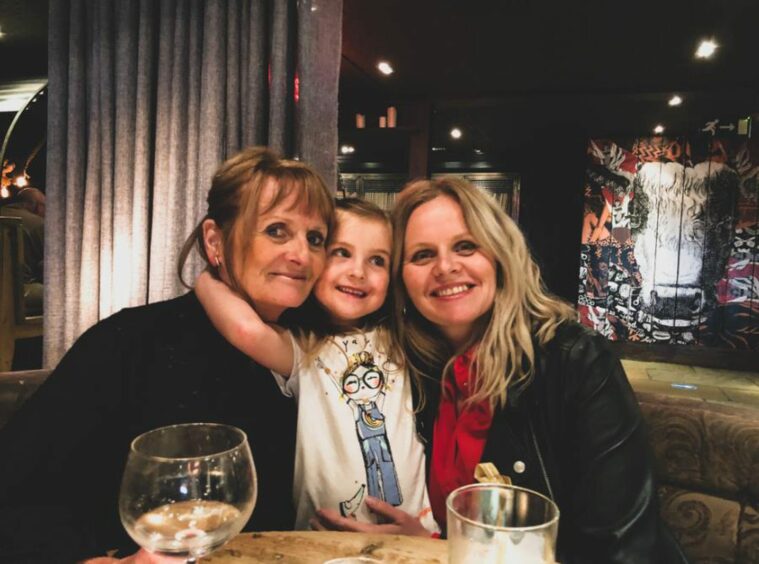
(504, 374)
(63, 454)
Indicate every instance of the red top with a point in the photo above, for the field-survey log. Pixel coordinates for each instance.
(458, 439)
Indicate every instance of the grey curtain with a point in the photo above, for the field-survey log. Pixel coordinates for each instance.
(146, 98)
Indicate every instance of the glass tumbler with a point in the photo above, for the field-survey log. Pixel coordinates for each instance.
(497, 524)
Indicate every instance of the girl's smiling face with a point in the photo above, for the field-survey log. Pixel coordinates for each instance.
(355, 280)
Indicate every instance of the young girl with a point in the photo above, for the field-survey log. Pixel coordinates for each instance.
(356, 437)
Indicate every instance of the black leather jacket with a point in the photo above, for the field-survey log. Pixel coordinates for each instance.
(575, 434)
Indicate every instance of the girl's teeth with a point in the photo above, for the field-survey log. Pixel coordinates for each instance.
(352, 292)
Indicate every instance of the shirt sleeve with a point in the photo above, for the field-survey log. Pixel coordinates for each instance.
(290, 387)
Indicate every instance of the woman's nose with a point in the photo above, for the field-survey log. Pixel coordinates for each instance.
(446, 263)
(297, 250)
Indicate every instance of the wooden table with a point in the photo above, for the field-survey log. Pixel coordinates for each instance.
(315, 547)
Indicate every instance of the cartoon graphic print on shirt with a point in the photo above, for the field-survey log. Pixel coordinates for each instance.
(363, 386)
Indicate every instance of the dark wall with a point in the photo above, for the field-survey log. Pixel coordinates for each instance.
(551, 206)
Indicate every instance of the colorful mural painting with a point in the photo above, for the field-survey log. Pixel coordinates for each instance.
(670, 241)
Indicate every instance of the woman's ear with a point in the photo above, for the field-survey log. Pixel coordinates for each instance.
(213, 241)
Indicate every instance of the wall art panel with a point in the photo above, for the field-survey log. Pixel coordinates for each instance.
(670, 241)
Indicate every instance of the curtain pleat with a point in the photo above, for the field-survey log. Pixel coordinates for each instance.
(146, 99)
(282, 76)
(316, 114)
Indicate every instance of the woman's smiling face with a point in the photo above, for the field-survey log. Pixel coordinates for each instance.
(286, 255)
(448, 277)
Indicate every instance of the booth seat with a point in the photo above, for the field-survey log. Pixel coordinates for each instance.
(15, 389)
(707, 458)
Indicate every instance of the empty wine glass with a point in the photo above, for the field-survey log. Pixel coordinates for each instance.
(187, 489)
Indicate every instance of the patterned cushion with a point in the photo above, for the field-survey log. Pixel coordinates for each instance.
(705, 526)
(707, 458)
(748, 535)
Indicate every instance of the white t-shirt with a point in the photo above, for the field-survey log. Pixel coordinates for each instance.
(356, 433)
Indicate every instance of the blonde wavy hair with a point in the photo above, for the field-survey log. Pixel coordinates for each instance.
(522, 310)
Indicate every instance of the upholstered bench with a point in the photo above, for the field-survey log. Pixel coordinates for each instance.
(15, 389)
(707, 457)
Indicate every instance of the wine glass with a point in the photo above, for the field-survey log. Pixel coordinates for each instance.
(187, 489)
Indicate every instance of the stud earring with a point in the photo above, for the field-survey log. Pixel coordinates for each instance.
(218, 261)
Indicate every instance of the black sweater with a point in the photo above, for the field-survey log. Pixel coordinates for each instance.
(62, 456)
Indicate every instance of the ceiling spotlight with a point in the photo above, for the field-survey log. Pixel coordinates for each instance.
(659, 129)
(456, 133)
(706, 49)
(385, 68)
(347, 149)
(675, 100)
(20, 181)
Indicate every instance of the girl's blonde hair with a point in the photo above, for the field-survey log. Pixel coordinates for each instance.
(522, 309)
(233, 204)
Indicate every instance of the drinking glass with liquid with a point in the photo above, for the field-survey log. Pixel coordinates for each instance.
(187, 489)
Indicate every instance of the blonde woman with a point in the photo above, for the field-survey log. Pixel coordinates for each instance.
(505, 375)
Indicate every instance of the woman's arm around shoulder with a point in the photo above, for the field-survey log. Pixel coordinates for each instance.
(267, 344)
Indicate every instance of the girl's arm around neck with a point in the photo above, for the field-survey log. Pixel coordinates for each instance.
(268, 345)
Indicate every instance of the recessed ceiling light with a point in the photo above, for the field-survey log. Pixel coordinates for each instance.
(659, 129)
(347, 149)
(675, 100)
(385, 68)
(20, 181)
(706, 49)
(456, 133)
